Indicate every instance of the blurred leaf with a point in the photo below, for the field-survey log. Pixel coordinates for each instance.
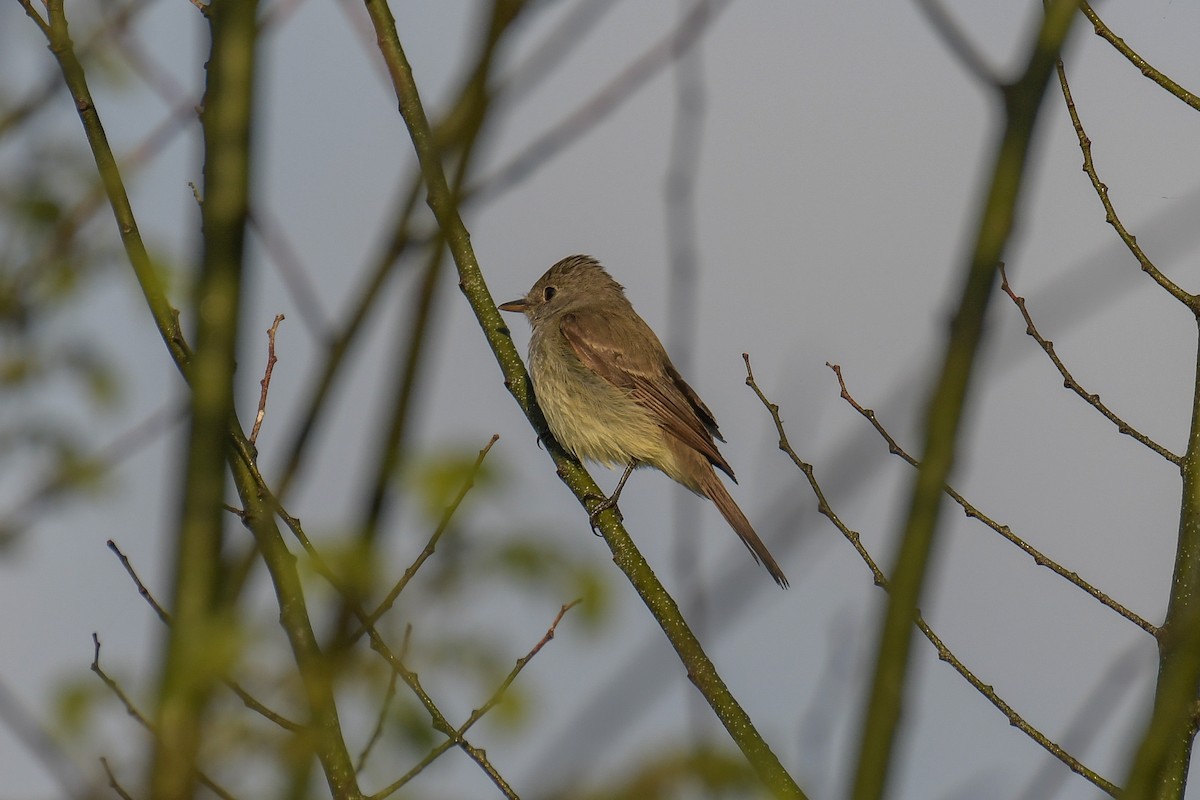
(75, 703)
(440, 478)
(513, 711)
(705, 771)
(413, 727)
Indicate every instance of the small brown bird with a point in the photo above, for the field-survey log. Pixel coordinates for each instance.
(611, 394)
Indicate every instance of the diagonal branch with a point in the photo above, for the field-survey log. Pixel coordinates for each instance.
(881, 580)
(1069, 381)
(445, 207)
(247, 699)
(1110, 213)
(1039, 558)
(133, 711)
(1022, 102)
(1144, 67)
(478, 713)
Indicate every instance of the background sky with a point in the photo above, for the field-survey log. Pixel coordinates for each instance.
(842, 148)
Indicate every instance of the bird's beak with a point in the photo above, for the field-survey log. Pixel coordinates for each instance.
(520, 306)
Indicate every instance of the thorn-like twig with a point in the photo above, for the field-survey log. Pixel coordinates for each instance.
(133, 711)
(430, 546)
(247, 699)
(1039, 558)
(113, 783)
(265, 383)
(456, 735)
(1069, 381)
(1110, 212)
(881, 580)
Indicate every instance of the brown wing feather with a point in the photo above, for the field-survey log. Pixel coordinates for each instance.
(648, 375)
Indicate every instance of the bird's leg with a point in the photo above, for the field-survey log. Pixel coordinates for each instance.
(610, 502)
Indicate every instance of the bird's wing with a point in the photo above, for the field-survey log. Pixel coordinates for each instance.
(644, 370)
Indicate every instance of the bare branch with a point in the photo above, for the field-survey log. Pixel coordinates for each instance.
(1104, 32)
(265, 383)
(1110, 213)
(1069, 381)
(132, 710)
(956, 40)
(478, 713)
(1039, 558)
(881, 580)
(430, 545)
(247, 699)
(113, 783)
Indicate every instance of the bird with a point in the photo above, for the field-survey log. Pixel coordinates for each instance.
(611, 395)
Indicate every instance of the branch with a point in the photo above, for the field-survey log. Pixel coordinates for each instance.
(881, 580)
(132, 710)
(972, 512)
(430, 546)
(1160, 767)
(1069, 381)
(478, 713)
(625, 554)
(197, 652)
(265, 383)
(1110, 213)
(1104, 32)
(226, 197)
(247, 699)
(1022, 102)
(956, 40)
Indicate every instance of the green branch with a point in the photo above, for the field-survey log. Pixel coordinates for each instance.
(443, 203)
(201, 643)
(1022, 101)
(1160, 766)
(227, 117)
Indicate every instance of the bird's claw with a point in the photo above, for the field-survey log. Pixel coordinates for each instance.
(604, 504)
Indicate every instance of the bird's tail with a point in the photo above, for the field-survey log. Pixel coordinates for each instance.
(715, 490)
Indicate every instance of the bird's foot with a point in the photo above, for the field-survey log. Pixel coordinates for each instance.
(603, 504)
(608, 502)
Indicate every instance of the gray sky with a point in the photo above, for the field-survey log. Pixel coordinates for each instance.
(839, 176)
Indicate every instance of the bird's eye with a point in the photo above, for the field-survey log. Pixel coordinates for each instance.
(548, 292)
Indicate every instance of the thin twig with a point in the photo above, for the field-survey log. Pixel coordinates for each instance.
(413, 681)
(265, 383)
(1069, 381)
(36, 17)
(597, 108)
(1104, 32)
(478, 713)
(956, 39)
(445, 205)
(378, 644)
(247, 699)
(430, 545)
(1110, 213)
(132, 710)
(137, 581)
(384, 708)
(881, 580)
(113, 783)
(972, 512)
